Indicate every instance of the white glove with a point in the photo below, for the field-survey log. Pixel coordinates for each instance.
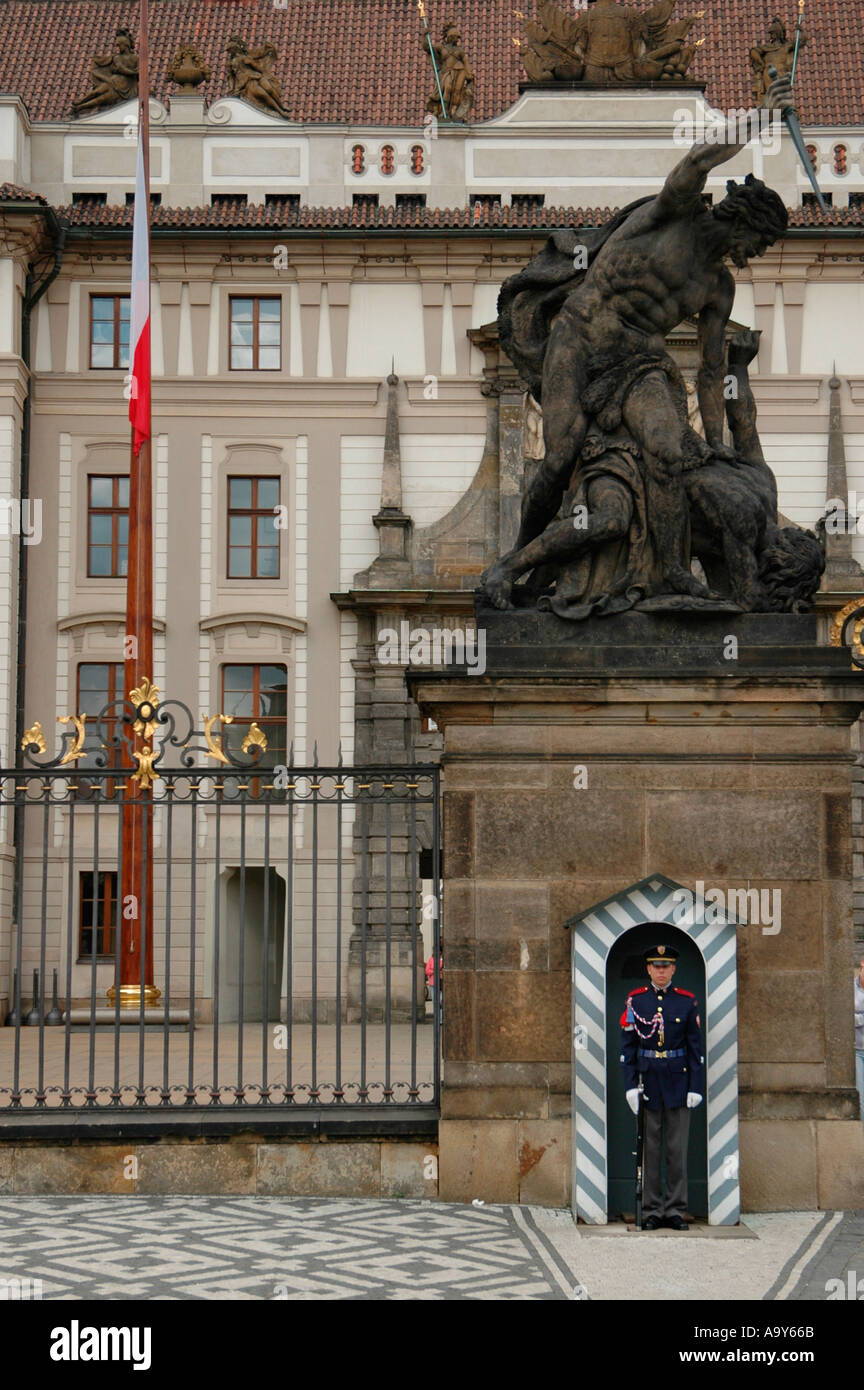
(633, 1100)
(693, 1099)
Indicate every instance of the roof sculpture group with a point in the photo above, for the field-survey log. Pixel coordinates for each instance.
(608, 43)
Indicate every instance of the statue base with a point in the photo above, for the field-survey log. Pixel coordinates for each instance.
(590, 759)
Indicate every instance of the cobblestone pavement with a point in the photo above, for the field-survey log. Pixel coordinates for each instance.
(261, 1248)
(276, 1248)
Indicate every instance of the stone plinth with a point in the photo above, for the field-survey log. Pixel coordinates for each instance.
(586, 758)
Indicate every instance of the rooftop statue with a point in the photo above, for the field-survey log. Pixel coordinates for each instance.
(777, 52)
(250, 75)
(628, 491)
(114, 76)
(609, 42)
(455, 76)
(187, 68)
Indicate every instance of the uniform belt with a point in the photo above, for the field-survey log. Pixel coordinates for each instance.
(673, 1052)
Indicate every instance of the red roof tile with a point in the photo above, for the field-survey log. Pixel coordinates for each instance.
(11, 193)
(361, 61)
(286, 218)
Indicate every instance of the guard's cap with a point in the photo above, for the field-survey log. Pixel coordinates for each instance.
(660, 955)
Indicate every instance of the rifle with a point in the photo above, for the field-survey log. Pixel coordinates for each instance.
(640, 1149)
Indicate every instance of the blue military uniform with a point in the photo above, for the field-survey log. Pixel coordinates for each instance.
(661, 1045)
(666, 1022)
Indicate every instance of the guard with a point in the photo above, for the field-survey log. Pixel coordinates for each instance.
(661, 1054)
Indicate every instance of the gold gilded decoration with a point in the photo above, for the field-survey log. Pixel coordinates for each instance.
(77, 749)
(130, 996)
(145, 698)
(145, 774)
(255, 738)
(836, 634)
(34, 735)
(214, 747)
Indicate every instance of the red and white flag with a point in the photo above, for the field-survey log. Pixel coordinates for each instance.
(139, 328)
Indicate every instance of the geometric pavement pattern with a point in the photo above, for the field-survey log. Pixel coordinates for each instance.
(287, 1248)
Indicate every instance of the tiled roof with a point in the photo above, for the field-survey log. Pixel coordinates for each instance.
(284, 217)
(11, 193)
(362, 61)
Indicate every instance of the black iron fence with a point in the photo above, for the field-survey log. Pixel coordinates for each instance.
(289, 913)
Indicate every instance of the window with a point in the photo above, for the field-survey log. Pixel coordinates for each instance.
(418, 159)
(365, 200)
(841, 164)
(100, 684)
(388, 159)
(256, 694)
(228, 200)
(524, 202)
(109, 331)
(97, 914)
(107, 527)
(289, 201)
(809, 200)
(358, 160)
(94, 199)
(856, 200)
(256, 334)
(155, 200)
(485, 200)
(813, 152)
(414, 201)
(253, 533)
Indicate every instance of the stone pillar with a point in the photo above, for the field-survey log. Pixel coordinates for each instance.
(591, 756)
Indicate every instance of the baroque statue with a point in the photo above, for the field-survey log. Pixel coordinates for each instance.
(454, 74)
(187, 68)
(609, 42)
(250, 75)
(114, 76)
(777, 52)
(628, 492)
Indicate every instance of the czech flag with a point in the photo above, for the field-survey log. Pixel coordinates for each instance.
(139, 330)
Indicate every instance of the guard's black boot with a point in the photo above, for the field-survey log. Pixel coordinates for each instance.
(676, 1223)
(651, 1223)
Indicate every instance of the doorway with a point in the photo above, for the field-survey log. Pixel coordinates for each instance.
(625, 970)
(253, 934)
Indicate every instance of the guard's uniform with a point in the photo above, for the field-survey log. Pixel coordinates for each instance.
(661, 1041)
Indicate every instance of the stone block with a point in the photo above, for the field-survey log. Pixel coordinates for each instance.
(526, 953)
(778, 1165)
(522, 1016)
(459, 908)
(494, 1102)
(799, 943)
(557, 834)
(840, 1151)
(512, 910)
(478, 1158)
(409, 1170)
(836, 982)
(767, 1001)
(459, 1015)
(319, 1170)
(458, 834)
(528, 1074)
(7, 1186)
(196, 1167)
(545, 1162)
(72, 1168)
(837, 819)
(734, 835)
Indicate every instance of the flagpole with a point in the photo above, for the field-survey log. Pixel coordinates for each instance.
(135, 907)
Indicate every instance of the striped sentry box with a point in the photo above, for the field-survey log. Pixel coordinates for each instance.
(593, 935)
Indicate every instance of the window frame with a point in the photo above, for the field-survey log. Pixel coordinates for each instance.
(242, 721)
(116, 365)
(256, 302)
(116, 691)
(114, 512)
(254, 512)
(106, 899)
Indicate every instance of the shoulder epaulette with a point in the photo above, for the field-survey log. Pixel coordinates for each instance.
(688, 992)
(640, 990)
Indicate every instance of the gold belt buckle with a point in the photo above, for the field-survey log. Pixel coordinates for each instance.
(660, 1054)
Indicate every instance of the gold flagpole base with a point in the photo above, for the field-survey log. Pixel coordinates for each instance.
(130, 996)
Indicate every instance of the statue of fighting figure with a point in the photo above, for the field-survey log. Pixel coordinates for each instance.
(585, 324)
